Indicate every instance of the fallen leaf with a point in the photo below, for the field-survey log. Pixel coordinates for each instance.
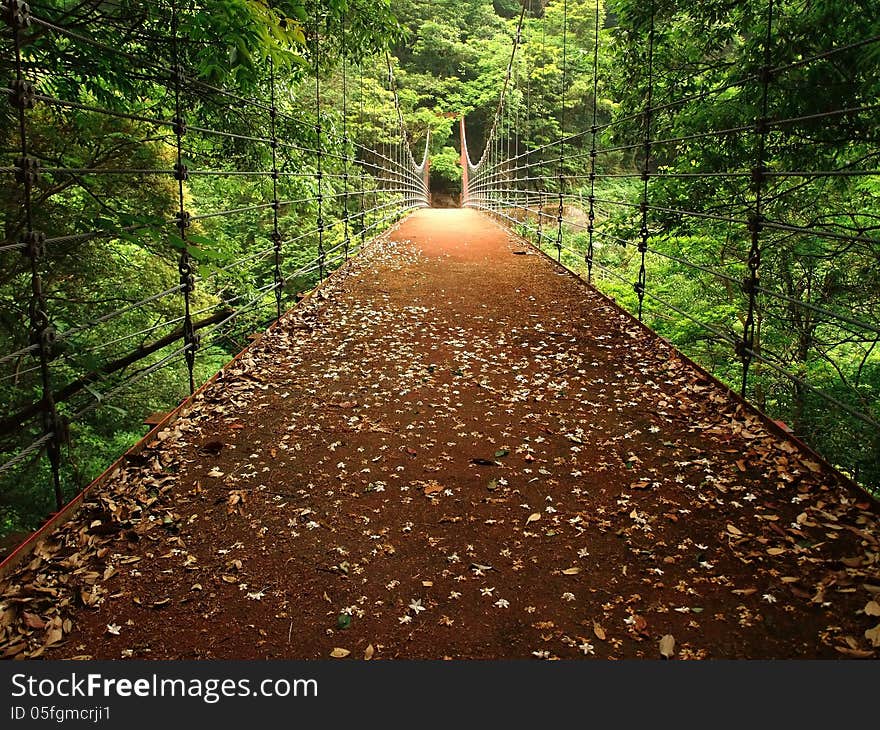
(735, 531)
(856, 653)
(368, 652)
(339, 653)
(534, 517)
(872, 609)
(873, 635)
(599, 632)
(745, 591)
(775, 551)
(33, 621)
(571, 571)
(667, 646)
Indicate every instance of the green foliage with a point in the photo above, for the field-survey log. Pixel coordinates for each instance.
(118, 246)
(446, 170)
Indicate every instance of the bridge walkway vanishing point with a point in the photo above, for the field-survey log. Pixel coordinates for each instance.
(455, 449)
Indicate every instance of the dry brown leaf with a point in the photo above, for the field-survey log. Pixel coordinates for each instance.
(368, 652)
(667, 646)
(871, 609)
(534, 517)
(33, 621)
(857, 653)
(873, 635)
(339, 653)
(735, 531)
(571, 571)
(775, 551)
(599, 632)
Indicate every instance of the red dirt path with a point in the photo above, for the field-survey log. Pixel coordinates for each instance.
(457, 451)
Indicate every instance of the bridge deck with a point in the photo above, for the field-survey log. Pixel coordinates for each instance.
(472, 455)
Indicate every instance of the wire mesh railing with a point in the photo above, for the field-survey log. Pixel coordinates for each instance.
(125, 171)
(734, 208)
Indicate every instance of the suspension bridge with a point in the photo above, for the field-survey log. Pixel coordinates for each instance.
(454, 445)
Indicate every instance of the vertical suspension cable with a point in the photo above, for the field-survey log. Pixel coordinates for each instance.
(541, 192)
(362, 218)
(591, 227)
(27, 174)
(319, 153)
(528, 125)
(276, 232)
(560, 173)
(750, 285)
(345, 141)
(181, 174)
(643, 232)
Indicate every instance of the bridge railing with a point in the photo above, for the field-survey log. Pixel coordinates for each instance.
(732, 202)
(155, 215)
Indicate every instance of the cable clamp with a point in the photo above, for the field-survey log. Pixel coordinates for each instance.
(27, 170)
(43, 336)
(181, 172)
(759, 174)
(184, 220)
(24, 94)
(178, 124)
(16, 14)
(35, 244)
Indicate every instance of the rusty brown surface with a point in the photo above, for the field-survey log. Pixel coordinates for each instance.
(471, 455)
